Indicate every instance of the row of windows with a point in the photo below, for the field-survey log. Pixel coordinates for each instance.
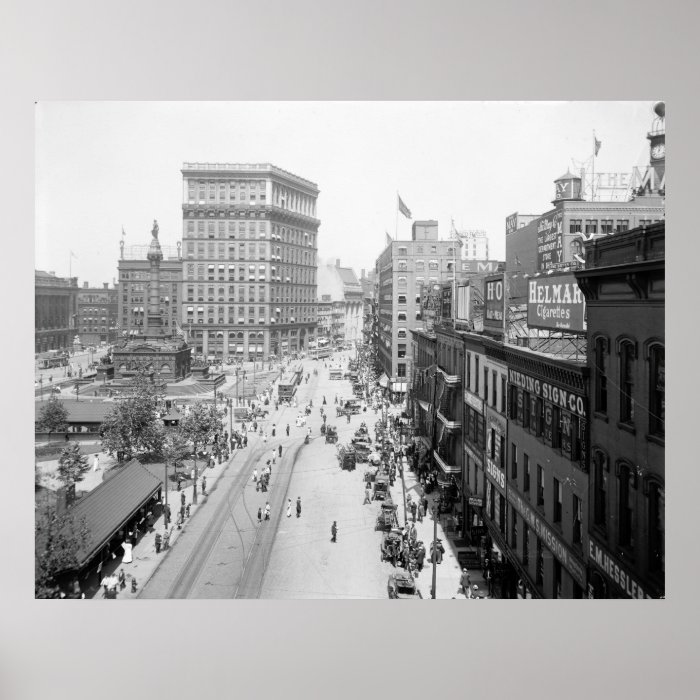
(211, 273)
(627, 376)
(556, 427)
(590, 226)
(253, 251)
(486, 383)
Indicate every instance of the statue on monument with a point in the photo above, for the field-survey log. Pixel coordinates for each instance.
(154, 231)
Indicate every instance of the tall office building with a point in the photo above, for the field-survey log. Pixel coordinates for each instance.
(403, 269)
(249, 260)
(475, 245)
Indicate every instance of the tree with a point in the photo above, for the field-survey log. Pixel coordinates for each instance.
(175, 449)
(72, 465)
(53, 416)
(133, 426)
(200, 426)
(57, 542)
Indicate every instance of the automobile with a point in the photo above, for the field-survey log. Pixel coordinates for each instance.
(401, 586)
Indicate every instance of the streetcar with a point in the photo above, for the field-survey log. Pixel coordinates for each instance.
(287, 389)
(53, 358)
(319, 353)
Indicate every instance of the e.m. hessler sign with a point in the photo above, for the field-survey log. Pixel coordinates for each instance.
(556, 302)
(627, 585)
(568, 559)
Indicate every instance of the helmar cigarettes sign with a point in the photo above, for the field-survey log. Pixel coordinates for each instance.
(555, 302)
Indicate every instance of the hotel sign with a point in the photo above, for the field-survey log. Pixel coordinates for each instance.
(560, 550)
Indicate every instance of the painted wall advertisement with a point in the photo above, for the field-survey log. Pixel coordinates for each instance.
(555, 302)
(429, 303)
(493, 302)
(550, 242)
(511, 223)
(570, 561)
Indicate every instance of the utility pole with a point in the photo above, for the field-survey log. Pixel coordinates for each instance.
(433, 555)
(194, 490)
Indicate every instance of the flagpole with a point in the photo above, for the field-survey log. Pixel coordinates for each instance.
(593, 171)
(396, 230)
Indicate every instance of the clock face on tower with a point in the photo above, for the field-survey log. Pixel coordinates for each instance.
(658, 151)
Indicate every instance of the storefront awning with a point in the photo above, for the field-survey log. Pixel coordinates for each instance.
(399, 387)
(384, 381)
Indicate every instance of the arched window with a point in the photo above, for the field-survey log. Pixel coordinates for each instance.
(165, 367)
(626, 483)
(600, 488)
(600, 373)
(627, 354)
(656, 498)
(122, 367)
(657, 390)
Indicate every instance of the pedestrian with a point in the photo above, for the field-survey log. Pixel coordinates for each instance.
(287, 430)
(166, 539)
(204, 486)
(298, 506)
(245, 440)
(274, 457)
(259, 516)
(255, 475)
(122, 579)
(280, 451)
(368, 496)
(465, 582)
(182, 498)
(159, 540)
(420, 556)
(166, 514)
(274, 430)
(421, 512)
(289, 507)
(324, 400)
(264, 435)
(334, 531)
(336, 399)
(187, 510)
(267, 510)
(414, 509)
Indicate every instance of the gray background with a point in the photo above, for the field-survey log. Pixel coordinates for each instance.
(349, 50)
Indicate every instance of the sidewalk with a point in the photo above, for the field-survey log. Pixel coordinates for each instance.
(449, 571)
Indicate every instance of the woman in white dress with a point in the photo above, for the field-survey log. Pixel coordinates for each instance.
(128, 557)
(289, 508)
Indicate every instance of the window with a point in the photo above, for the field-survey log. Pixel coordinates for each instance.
(476, 373)
(626, 506)
(627, 356)
(540, 486)
(401, 299)
(401, 369)
(622, 225)
(526, 473)
(591, 226)
(513, 461)
(420, 265)
(402, 265)
(575, 226)
(513, 528)
(494, 389)
(401, 316)
(557, 496)
(539, 564)
(486, 384)
(606, 226)
(657, 390)
(401, 281)
(403, 250)
(469, 371)
(402, 350)
(502, 452)
(526, 543)
(492, 443)
(556, 581)
(433, 265)
(401, 333)
(577, 509)
(601, 379)
(600, 487)
(657, 527)
(526, 409)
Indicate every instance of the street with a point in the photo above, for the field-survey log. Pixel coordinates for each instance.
(225, 553)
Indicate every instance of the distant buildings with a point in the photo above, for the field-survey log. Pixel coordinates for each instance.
(55, 311)
(98, 312)
(340, 294)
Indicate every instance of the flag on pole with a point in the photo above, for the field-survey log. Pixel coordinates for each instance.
(73, 255)
(597, 145)
(403, 208)
(388, 238)
(456, 236)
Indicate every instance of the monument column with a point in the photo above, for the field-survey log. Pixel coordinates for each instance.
(154, 321)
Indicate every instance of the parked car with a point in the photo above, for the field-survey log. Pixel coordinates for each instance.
(401, 586)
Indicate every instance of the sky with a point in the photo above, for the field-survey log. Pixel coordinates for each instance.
(101, 166)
